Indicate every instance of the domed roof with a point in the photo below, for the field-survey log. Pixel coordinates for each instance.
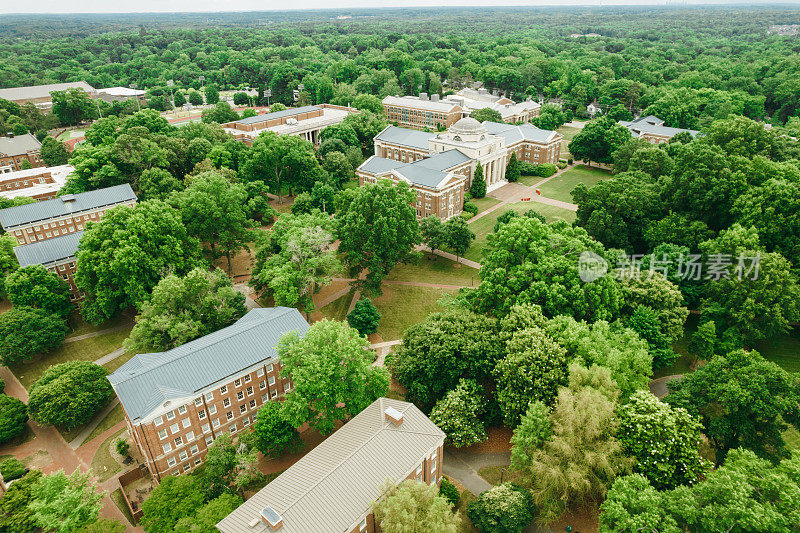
(467, 125)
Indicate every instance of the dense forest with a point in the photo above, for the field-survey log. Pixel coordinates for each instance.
(690, 66)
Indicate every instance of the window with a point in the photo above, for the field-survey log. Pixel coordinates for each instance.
(171, 462)
(260, 371)
(190, 436)
(215, 423)
(170, 415)
(226, 402)
(269, 368)
(287, 387)
(249, 391)
(183, 455)
(206, 428)
(178, 441)
(243, 408)
(363, 525)
(212, 410)
(197, 461)
(246, 421)
(247, 378)
(240, 396)
(186, 467)
(194, 449)
(262, 385)
(209, 440)
(182, 410)
(272, 380)
(167, 447)
(264, 398)
(174, 428)
(273, 393)
(229, 415)
(198, 401)
(252, 404)
(223, 389)
(209, 396)
(237, 383)
(162, 434)
(201, 415)
(233, 428)
(186, 423)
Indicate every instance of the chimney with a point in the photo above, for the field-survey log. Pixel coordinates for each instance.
(393, 415)
(423, 96)
(435, 97)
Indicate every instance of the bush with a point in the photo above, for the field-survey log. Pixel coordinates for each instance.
(13, 415)
(506, 508)
(547, 169)
(2, 385)
(466, 215)
(449, 491)
(70, 394)
(12, 469)
(561, 164)
(123, 447)
(471, 208)
(570, 161)
(364, 317)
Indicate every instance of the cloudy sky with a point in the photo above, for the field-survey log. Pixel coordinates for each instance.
(104, 6)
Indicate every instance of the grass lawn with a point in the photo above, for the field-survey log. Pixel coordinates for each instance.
(484, 203)
(114, 364)
(792, 438)
(432, 268)
(785, 351)
(113, 418)
(119, 501)
(337, 309)
(559, 188)
(402, 306)
(78, 326)
(84, 350)
(104, 466)
(485, 225)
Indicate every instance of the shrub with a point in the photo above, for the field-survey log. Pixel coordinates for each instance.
(68, 395)
(570, 161)
(470, 207)
(506, 508)
(449, 491)
(547, 169)
(13, 415)
(12, 469)
(561, 164)
(2, 385)
(123, 447)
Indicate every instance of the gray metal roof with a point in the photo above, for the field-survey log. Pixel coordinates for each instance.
(146, 381)
(425, 177)
(41, 91)
(49, 250)
(428, 172)
(443, 160)
(47, 209)
(405, 137)
(19, 145)
(641, 126)
(334, 485)
(278, 114)
(524, 132)
(379, 165)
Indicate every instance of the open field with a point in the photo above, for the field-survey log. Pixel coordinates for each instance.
(402, 306)
(560, 187)
(485, 203)
(432, 268)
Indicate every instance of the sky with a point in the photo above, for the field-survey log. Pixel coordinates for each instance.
(178, 6)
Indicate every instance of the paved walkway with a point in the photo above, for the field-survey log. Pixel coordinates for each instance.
(77, 338)
(463, 472)
(659, 387)
(85, 432)
(446, 255)
(109, 357)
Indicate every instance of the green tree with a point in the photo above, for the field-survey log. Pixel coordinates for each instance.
(35, 286)
(25, 332)
(158, 184)
(69, 394)
(377, 228)
(487, 113)
(221, 113)
(364, 317)
(478, 187)
(8, 259)
(458, 414)
(215, 211)
(195, 98)
(185, 308)
(339, 168)
(633, 505)
(104, 525)
(174, 498)
(65, 503)
(15, 515)
(512, 169)
(72, 106)
(53, 152)
(533, 369)
(415, 506)
(506, 508)
(274, 434)
(664, 441)
(742, 400)
(432, 234)
(598, 140)
(178, 99)
(581, 459)
(654, 291)
(457, 235)
(206, 518)
(348, 384)
(13, 416)
(282, 161)
(212, 93)
(368, 102)
(123, 257)
(532, 432)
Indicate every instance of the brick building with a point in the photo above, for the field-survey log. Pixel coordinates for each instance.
(39, 95)
(306, 122)
(41, 183)
(420, 112)
(177, 402)
(440, 166)
(332, 488)
(62, 215)
(15, 149)
(56, 255)
(472, 100)
(653, 130)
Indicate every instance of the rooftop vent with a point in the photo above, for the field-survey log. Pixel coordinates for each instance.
(423, 96)
(394, 415)
(68, 198)
(435, 97)
(272, 518)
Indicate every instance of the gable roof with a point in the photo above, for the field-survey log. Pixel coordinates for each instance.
(443, 160)
(428, 172)
(147, 381)
(64, 205)
(42, 91)
(378, 165)
(19, 145)
(640, 127)
(523, 132)
(334, 485)
(405, 137)
(49, 250)
(277, 114)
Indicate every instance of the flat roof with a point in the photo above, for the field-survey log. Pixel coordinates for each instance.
(19, 145)
(59, 175)
(278, 114)
(41, 91)
(56, 207)
(335, 484)
(442, 106)
(49, 250)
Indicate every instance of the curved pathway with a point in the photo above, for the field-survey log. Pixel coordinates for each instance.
(659, 387)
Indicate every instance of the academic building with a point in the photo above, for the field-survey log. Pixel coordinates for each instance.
(306, 122)
(652, 129)
(39, 95)
(439, 166)
(40, 183)
(16, 149)
(177, 402)
(332, 488)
